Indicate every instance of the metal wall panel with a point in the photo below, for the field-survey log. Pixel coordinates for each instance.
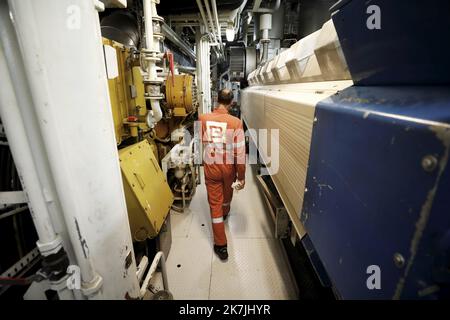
(372, 198)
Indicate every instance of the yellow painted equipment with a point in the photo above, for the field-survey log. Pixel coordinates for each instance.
(126, 93)
(147, 193)
(180, 94)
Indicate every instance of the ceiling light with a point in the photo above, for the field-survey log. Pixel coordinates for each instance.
(229, 32)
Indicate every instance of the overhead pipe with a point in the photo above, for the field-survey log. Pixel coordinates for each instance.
(235, 14)
(210, 19)
(176, 40)
(187, 69)
(148, 23)
(205, 22)
(216, 17)
(212, 40)
(257, 7)
(265, 24)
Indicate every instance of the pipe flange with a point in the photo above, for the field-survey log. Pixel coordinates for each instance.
(90, 288)
(159, 36)
(50, 248)
(150, 51)
(154, 97)
(154, 82)
(158, 18)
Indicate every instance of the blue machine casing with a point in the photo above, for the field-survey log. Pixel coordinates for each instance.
(411, 47)
(370, 199)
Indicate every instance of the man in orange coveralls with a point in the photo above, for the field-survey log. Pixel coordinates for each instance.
(224, 163)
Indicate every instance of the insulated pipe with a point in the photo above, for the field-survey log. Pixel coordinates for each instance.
(257, 8)
(202, 14)
(19, 144)
(91, 195)
(216, 17)
(148, 23)
(265, 52)
(155, 115)
(187, 69)
(235, 15)
(199, 67)
(158, 260)
(265, 24)
(151, 56)
(26, 106)
(176, 40)
(210, 19)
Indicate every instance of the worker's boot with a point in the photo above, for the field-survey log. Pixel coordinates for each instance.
(221, 251)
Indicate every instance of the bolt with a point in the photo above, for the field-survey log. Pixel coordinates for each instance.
(399, 260)
(315, 119)
(429, 163)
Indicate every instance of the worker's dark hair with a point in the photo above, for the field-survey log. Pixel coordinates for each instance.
(225, 96)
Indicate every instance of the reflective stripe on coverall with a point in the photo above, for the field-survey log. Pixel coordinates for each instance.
(224, 162)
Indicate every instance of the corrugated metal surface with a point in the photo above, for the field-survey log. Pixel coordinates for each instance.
(289, 108)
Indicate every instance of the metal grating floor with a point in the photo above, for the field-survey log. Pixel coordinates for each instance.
(256, 267)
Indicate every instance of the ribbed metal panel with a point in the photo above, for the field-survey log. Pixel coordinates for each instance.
(290, 109)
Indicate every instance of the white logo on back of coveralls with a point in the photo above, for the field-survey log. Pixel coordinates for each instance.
(216, 131)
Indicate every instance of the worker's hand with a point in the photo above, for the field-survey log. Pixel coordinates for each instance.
(241, 184)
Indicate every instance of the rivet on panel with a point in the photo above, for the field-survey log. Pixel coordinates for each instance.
(429, 163)
(399, 260)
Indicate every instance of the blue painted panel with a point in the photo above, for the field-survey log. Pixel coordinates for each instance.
(367, 188)
(411, 47)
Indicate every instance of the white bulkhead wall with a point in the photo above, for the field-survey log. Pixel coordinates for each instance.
(62, 51)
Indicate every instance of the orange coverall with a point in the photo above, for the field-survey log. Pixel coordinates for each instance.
(224, 161)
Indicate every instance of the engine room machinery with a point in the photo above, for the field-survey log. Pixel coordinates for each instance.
(348, 116)
(363, 147)
(148, 100)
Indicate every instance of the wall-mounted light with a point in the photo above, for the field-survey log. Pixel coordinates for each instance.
(249, 17)
(229, 32)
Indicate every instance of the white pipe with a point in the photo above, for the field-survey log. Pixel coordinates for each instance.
(199, 67)
(159, 259)
(152, 48)
(202, 14)
(216, 17)
(82, 132)
(20, 80)
(234, 13)
(256, 5)
(257, 8)
(143, 264)
(15, 130)
(155, 115)
(210, 19)
(148, 23)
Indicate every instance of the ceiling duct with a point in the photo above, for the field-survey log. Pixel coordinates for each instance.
(121, 26)
(174, 7)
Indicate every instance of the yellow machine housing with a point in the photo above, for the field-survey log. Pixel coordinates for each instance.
(147, 193)
(127, 94)
(180, 94)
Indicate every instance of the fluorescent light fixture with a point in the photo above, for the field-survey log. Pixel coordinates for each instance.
(229, 32)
